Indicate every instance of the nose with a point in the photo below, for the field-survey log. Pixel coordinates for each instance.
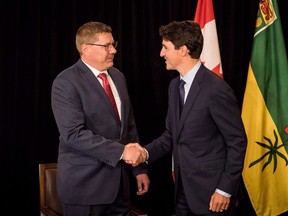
(162, 52)
(113, 50)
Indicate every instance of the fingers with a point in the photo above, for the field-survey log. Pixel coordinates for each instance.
(132, 145)
(143, 183)
(134, 154)
(141, 150)
(219, 203)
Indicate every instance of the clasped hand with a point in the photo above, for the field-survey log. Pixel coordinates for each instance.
(134, 154)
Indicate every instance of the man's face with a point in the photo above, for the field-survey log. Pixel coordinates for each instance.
(170, 54)
(100, 57)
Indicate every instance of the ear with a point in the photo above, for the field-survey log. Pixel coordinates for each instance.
(85, 49)
(184, 50)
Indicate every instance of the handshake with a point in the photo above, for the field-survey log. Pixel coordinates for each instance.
(134, 154)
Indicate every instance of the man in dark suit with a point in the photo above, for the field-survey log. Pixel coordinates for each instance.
(92, 178)
(207, 137)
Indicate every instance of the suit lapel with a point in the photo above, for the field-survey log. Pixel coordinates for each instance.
(95, 85)
(120, 88)
(176, 101)
(191, 98)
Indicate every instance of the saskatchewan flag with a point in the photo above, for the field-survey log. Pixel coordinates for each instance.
(265, 115)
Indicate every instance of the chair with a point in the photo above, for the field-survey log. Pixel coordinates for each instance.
(50, 205)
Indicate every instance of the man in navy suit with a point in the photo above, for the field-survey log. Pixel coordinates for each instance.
(207, 137)
(92, 177)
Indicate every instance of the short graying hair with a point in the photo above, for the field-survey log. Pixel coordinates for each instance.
(87, 32)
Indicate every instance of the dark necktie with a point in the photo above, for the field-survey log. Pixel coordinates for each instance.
(109, 93)
(181, 94)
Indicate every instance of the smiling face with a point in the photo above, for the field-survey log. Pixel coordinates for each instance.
(171, 55)
(99, 57)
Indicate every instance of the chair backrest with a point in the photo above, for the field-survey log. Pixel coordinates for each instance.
(50, 205)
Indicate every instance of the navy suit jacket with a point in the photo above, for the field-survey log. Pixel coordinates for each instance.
(208, 140)
(91, 139)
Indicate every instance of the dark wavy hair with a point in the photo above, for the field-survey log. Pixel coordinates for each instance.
(186, 33)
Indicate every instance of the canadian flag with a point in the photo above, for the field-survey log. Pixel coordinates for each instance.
(210, 55)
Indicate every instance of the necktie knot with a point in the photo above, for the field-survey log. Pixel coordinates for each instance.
(103, 77)
(181, 84)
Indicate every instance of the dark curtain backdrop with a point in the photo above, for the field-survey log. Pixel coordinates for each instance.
(38, 42)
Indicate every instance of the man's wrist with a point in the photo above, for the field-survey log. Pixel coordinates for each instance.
(223, 193)
(147, 155)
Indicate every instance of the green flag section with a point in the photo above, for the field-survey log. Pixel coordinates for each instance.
(265, 116)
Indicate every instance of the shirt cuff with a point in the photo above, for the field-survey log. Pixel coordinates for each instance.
(223, 193)
(147, 155)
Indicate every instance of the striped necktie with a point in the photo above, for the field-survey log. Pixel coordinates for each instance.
(109, 93)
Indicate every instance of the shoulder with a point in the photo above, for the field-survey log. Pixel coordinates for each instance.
(114, 70)
(208, 74)
(208, 77)
(73, 70)
(174, 82)
(73, 76)
(116, 74)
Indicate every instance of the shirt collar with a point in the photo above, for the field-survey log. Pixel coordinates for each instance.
(189, 77)
(95, 71)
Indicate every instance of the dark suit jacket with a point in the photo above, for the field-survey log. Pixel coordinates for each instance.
(91, 139)
(208, 140)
